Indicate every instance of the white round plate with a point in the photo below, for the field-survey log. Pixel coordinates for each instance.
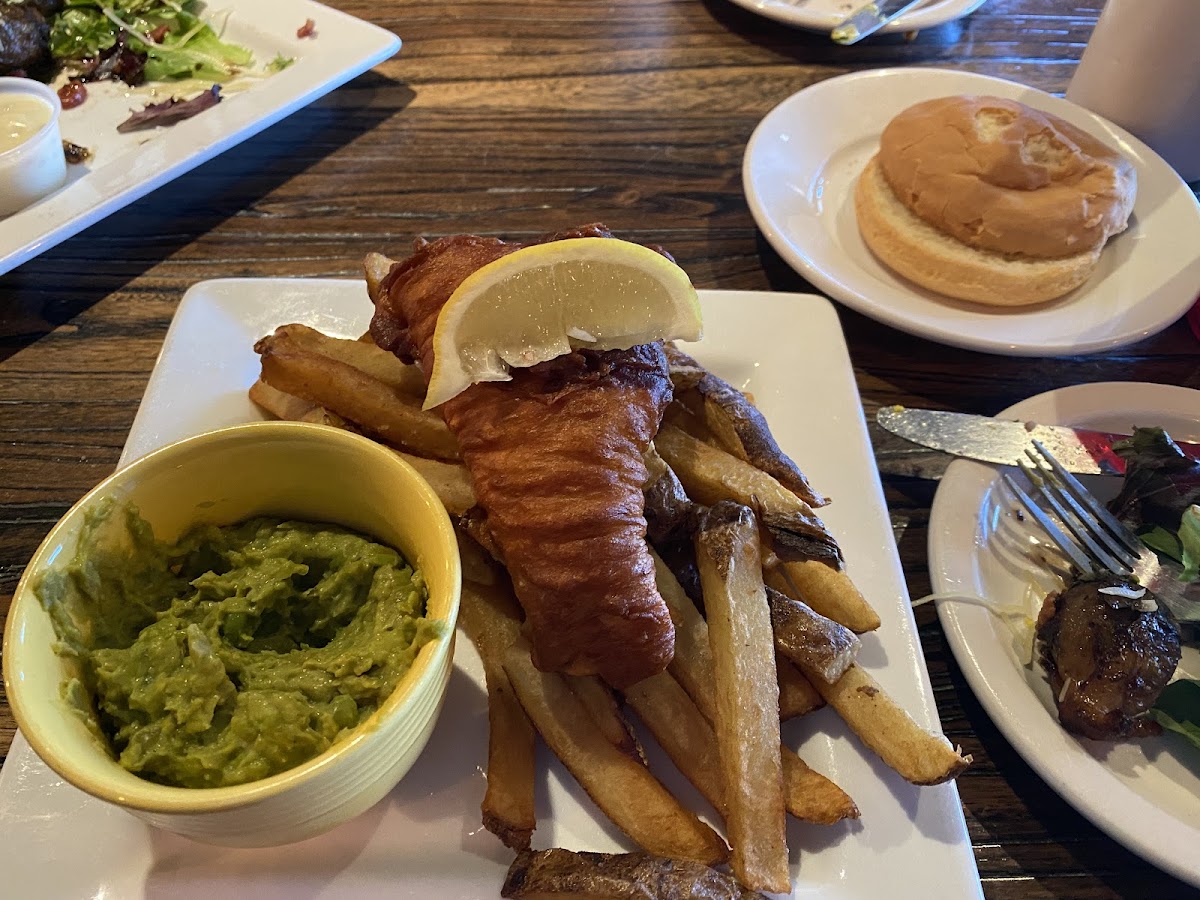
(799, 173)
(823, 15)
(1144, 793)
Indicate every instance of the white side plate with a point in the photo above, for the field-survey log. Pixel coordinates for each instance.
(125, 167)
(805, 157)
(1144, 793)
(425, 839)
(823, 15)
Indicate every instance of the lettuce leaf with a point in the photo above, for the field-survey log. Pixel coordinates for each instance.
(1178, 709)
(1189, 541)
(187, 47)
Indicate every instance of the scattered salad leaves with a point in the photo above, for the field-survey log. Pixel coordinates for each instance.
(1161, 481)
(280, 62)
(171, 111)
(1178, 709)
(1159, 497)
(1189, 540)
(174, 41)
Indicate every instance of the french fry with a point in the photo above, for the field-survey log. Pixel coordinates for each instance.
(740, 428)
(624, 789)
(602, 704)
(811, 797)
(369, 359)
(796, 696)
(814, 643)
(692, 668)
(682, 731)
(746, 692)
(827, 591)
(710, 475)
(919, 756)
(450, 481)
(489, 616)
(377, 407)
(279, 404)
(376, 267)
(692, 664)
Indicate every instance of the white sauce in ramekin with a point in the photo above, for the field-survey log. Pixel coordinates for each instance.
(31, 155)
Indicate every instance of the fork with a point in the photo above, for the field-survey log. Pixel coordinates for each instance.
(1093, 539)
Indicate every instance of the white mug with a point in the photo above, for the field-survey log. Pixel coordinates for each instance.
(1141, 70)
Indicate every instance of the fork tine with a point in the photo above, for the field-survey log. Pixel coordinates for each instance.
(1077, 527)
(1111, 523)
(1078, 557)
(1085, 516)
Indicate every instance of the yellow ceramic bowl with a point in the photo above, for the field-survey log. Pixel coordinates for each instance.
(288, 469)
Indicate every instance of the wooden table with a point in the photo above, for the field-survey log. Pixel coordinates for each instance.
(518, 117)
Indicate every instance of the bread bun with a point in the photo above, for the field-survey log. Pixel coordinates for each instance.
(988, 200)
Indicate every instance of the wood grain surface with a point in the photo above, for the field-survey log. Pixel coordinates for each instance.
(514, 117)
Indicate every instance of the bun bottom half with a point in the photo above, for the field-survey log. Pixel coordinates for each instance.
(941, 263)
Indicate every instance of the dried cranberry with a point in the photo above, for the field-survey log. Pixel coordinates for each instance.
(72, 94)
(308, 29)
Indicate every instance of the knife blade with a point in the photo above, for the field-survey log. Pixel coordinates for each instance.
(1003, 441)
(868, 19)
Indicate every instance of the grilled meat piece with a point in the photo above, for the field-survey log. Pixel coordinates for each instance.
(24, 36)
(1108, 656)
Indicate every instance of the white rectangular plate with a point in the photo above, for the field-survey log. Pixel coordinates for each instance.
(425, 839)
(125, 167)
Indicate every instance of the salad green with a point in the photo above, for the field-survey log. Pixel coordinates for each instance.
(1178, 709)
(168, 35)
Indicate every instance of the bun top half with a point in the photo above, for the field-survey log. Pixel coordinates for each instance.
(1001, 176)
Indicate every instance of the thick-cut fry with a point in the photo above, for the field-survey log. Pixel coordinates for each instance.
(796, 696)
(279, 404)
(709, 475)
(746, 691)
(682, 731)
(602, 704)
(450, 481)
(379, 408)
(812, 797)
(692, 665)
(489, 615)
(739, 427)
(508, 804)
(827, 591)
(810, 640)
(366, 357)
(919, 756)
(624, 789)
(376, 267)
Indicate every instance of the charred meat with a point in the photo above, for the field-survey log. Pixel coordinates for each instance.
(25, 35)
(1109, 652)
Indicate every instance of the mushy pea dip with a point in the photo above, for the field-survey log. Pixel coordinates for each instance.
(237, 652)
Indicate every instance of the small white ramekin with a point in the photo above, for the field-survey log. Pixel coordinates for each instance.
(288, 469)
(34, 168)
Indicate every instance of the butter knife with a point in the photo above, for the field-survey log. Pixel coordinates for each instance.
(868, 19)
(1080, 450)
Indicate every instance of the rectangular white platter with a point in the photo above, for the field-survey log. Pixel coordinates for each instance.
(425, 840)
(125, 167)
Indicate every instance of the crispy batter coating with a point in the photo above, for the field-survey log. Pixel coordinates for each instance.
(556, 460)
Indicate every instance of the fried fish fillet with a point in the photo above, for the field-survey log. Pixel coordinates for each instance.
(556, 460)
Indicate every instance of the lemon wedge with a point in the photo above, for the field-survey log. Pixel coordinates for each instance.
(542, 301)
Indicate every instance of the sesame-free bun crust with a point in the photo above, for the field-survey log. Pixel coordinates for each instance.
(1002, 176)
(942, 263)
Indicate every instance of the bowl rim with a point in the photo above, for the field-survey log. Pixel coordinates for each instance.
(14, 85)
(161, 798)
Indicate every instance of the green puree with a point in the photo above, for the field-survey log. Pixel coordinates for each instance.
(238, 652)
